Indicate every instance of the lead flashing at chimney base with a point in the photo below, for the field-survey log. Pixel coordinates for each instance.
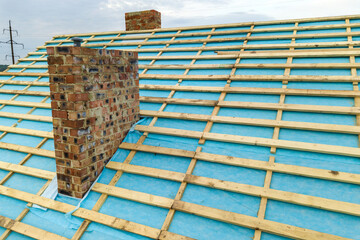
(143, 20)
(95, 101)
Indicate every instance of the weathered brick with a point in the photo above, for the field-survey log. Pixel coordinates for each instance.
(92, 94)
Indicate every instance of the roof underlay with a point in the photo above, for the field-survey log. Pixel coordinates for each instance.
(250, 130)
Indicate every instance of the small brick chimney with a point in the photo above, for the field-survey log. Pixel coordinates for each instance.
(143, 20)
(95, 101)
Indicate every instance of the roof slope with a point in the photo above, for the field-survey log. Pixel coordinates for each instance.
(251, 131)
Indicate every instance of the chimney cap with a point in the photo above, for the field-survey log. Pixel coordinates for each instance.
(77, 41)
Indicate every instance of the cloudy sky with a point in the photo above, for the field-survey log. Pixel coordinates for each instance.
(38, 20)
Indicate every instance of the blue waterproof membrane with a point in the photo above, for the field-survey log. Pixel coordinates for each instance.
(172, 62)
(183, 45)
(259, 34)
(153, 46)
(13, 87)
(144, 62)
(29, 98)
(168, 32)
(105, 36)
(213, 83)
(252, 98)
(11, 156)
(321, 72)
(302, 24)
(256, 71)
(166, 71)
(150, 106)
(158, 82)
(190, 38)
(17, 182)
(335, 30)
(196, 30)
(159, 39)
(5, 96)
(228, 201)
(314, 219)
(25, 62)
(24, 78)
(53, 44)
(197, 95)
(60, 38)
(341, 119)
(14, 70)
(39, 88)
(41, 63)
(207, 229)
(15, 109)
(280, 41)
(134, 34)
(256, 84)
(44, 79)
(316, 187)
(41, 50)
(233, 35)
(160, 161)
(312, 40)
(42, 163)
(318, 160)
(356, 38)
(355, 29)
(5, 77)
(42, 111)
(134, 211)
(7, 121)
(26, 140)
(274, 25)
(145, 54)
(154, 93)
(97, 42)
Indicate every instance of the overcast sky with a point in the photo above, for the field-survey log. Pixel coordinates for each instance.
(38, 20)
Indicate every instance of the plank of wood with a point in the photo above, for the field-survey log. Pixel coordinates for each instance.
(252, 222)
(326, 174)
(256, 122)
(25, 92)
(289, 197)
(29, 132)
(205, 33)
(26, 116)
(28, 230)
(25, 149)
(291, 107)
(24, 74)
(156, 173)
(275, 78)
(287, 91)
(31, 83)
(165, 235)
(25, 104)
(293, 145)
(133, 195)
(34, 172)
(94, 216)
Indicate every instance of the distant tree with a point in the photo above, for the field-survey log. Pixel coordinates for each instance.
(3, 67)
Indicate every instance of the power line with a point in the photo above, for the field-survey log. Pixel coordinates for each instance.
(12, 42)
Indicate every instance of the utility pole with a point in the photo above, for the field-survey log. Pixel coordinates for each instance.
(11, 42)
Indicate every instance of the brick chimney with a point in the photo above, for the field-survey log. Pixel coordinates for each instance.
(143, 20)
(95, 101)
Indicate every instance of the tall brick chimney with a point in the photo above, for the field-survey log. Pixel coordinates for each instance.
(143, 20)
(95, 101)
